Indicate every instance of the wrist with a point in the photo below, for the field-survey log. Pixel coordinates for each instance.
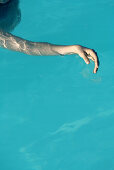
(70, 49)
(64, 49)
(75, 49)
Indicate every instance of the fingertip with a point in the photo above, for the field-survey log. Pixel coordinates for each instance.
(94, 71)
(87, 62)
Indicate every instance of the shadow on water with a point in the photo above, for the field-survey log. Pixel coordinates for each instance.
(10, 15)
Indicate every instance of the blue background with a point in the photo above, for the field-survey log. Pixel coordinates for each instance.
(55, 114)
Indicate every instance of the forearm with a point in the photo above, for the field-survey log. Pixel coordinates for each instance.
(15, 43)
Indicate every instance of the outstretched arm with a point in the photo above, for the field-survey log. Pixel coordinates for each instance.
(15, 43)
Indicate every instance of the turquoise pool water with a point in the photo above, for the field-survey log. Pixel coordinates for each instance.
(55, 114)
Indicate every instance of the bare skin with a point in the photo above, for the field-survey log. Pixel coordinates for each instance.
(15, 43)
(19, 44)
(85, 53)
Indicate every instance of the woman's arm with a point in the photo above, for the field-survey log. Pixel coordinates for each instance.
(15, 43)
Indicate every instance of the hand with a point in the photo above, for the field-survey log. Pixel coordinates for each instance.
(87, 54)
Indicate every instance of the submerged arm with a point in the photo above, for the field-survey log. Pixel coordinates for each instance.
(15, 43)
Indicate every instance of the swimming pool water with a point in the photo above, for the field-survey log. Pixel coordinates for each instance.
(54, 112)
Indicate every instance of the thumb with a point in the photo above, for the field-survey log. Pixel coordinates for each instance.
(82, 55)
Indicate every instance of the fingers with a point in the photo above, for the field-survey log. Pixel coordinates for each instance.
(94, 57)
(92, 53)
(87, 54)
(90, 57)
(83, 55)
